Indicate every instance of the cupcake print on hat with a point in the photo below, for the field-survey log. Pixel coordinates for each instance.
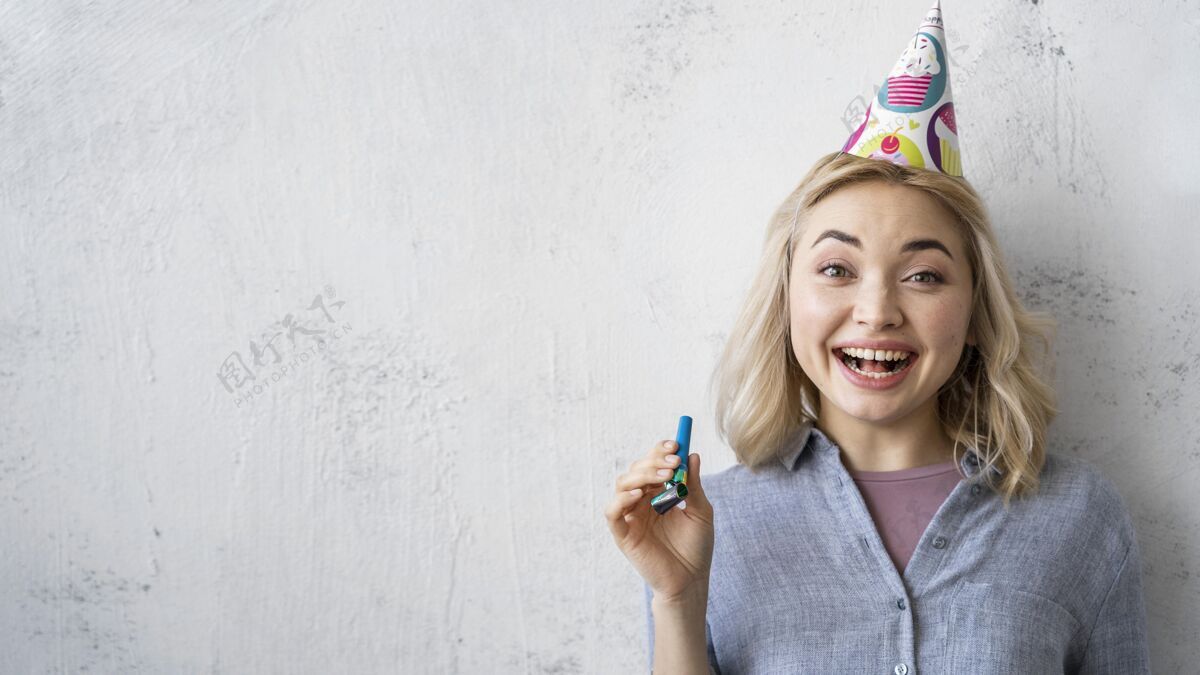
(911, 121)
(918, 79)
(943, 141)
(895, 148)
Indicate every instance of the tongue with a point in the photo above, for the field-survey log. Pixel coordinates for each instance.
(872, 366)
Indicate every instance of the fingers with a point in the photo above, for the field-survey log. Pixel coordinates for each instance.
(643, 476)
(662, 456)
(695, 485)
(662, 450)
(617, 512)
(647, 472)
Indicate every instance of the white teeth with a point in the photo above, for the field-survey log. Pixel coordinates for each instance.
(877, 376)
(875, 354)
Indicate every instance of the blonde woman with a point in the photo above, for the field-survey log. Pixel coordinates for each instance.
(894, 508)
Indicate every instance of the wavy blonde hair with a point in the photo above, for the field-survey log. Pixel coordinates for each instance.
(999, 399)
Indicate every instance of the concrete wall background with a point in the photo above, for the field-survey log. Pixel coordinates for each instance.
(540, 218)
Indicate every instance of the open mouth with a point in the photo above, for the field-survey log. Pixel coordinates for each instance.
(875, 364)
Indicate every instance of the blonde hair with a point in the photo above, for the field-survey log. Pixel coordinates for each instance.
(999, 400)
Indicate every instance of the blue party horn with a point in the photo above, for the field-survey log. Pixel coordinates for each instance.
(675, 489)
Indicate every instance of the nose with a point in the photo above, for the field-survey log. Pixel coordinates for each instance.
(875, 306)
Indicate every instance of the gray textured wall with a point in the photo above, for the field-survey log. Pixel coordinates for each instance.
(538, 220)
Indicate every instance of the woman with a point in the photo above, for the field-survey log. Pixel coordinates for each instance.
(893, 508)
(846, 540)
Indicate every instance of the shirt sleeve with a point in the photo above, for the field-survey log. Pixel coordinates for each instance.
(713, 669)
(1118, 641)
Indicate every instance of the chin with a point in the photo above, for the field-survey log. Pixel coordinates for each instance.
(879, 407)
(875, 414)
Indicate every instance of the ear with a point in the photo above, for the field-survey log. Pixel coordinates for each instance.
(971, 336)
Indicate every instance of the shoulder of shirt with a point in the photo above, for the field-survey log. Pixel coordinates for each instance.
(1071, 477)
(1077, 488)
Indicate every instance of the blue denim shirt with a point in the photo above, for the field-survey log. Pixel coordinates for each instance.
(801, 582)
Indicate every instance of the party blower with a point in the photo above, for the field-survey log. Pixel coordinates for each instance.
(676, 487)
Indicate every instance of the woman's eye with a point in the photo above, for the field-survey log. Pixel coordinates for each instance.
(836, 271)
(933, 277)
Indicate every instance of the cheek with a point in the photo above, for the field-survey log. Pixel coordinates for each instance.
(810, 315)
(948, 321)
(812, 304)
(813, 322)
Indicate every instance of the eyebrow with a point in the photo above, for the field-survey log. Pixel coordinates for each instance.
(914, 245)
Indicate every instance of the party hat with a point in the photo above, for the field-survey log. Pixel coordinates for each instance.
(911, 121)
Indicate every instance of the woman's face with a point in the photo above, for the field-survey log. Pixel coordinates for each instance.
(879, 266)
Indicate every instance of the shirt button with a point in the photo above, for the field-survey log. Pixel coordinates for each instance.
(939, 542)
(900, 669)
(900, 603)
(974, 489)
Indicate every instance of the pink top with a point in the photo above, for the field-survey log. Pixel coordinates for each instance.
(903, 502)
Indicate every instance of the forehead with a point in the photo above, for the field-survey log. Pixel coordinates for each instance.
(884, 213)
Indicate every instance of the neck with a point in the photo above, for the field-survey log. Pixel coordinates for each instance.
(916, 440)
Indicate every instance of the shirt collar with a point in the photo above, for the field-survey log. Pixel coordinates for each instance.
(806, 435)
(809, 436)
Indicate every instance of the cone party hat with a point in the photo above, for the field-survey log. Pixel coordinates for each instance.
(911, 121)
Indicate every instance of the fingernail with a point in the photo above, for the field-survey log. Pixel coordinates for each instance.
(664, 472)
(669, 444)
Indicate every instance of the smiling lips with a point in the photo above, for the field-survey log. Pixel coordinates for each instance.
(874, 368)
(880, 355)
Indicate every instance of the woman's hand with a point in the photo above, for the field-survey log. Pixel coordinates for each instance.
(672, 551)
